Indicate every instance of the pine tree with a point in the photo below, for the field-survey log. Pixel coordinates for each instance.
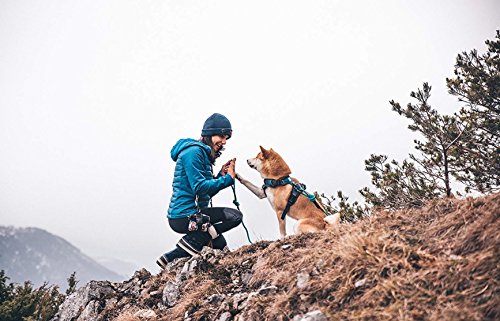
(25, 303)
(398, 185)
(477, 84)
(348, 212)
(441, 133)
(72, 282)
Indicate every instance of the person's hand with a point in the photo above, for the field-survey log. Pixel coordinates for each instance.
(231, 168)
(223, 170)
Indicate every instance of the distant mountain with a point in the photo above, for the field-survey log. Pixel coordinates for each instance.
(33, 254)
(124, 268)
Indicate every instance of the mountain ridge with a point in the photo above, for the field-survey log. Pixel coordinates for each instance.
(36, 255)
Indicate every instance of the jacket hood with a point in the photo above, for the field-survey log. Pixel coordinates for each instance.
(184, 143)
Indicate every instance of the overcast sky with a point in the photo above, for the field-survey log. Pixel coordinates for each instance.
(93, 95)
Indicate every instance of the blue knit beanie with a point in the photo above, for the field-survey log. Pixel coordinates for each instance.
(217, 124)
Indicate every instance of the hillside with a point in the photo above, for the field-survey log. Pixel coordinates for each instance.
(437, 263)
(38, 256)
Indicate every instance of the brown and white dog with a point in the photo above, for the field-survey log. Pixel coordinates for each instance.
(271, 165)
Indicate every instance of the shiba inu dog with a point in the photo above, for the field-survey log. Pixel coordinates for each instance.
(271, 166)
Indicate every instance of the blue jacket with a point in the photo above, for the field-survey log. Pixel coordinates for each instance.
(194, 183)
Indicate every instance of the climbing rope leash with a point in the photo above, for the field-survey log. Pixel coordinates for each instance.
(235, 202)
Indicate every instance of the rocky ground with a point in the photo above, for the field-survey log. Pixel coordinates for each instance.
(436, 263)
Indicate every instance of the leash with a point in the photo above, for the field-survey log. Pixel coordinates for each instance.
(235, 202)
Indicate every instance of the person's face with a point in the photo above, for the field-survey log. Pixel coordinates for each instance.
(219, 141)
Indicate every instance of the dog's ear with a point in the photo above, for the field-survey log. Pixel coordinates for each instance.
(264, 151)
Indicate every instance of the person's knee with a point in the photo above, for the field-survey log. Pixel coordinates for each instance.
(234, 215)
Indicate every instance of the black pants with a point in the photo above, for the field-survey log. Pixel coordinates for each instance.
(222, 218)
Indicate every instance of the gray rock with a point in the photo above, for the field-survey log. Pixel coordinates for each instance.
(360, 283)
(239, 301)
(226, 316)
(302, 279)
(207, 252)
(91, 312)
(316, 315)
(193, 265)
(184, 274)
(246, 277)
(145, 314)
(141, 276)
(170, 293)
(272, 289)
(173, 267)
(235, 277)
(216, 299)
(318, 267)
(76, 303)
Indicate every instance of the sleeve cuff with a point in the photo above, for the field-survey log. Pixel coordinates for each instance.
(229, 179)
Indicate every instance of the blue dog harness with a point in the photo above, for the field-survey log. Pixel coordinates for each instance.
(297, 190)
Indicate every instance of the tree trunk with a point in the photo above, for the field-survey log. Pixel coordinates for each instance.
(446, 173)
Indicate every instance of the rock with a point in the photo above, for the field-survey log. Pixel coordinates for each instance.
(184, 274)
(235, 277)
(224, 306)
(226, 316)
(216, 299)
(317, 268)
(268, 290)
(207, 252)
(170, 293)
(316, 315)
(302, 279)
(173, 267)
(111, 304)
(85, 300)
(456, 257)
(246, 276)
(320, 264)
(192, 266)
(360, 283)
(145, 314)
(239, 301)
(154, 293)
(91, 311)
(287, 247)
(141, 275)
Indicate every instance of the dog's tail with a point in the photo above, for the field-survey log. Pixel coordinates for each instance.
(333, 220)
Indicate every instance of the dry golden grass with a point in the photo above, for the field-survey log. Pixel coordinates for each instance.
(440, 262)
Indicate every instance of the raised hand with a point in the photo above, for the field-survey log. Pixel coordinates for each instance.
(231, 168)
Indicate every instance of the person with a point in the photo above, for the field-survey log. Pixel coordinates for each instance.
(193, 188)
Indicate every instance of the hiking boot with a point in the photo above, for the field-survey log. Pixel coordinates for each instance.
(168, 257)
(219, 243)
(193, 243)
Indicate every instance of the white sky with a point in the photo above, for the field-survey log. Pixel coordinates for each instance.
(93, 94)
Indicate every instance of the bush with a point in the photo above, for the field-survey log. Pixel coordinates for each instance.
(26, 303)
